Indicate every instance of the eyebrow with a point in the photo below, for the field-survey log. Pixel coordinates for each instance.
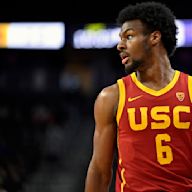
(129, 29)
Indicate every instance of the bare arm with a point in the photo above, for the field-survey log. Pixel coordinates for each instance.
(100, 168)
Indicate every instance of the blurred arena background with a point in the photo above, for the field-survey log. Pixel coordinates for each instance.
(47, 94)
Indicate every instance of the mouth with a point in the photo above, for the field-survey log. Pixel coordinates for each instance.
(124, 58)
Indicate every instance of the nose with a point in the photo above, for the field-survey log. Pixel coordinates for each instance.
(121, 45)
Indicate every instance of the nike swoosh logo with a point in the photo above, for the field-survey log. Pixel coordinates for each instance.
(134, 98)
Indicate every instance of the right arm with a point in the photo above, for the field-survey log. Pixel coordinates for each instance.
(100, 168)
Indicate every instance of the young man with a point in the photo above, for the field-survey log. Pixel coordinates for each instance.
(147, 114)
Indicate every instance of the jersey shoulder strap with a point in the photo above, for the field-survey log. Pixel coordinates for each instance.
(121, 102)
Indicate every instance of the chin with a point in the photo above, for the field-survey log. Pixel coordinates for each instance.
(129, 68)
(132, 67)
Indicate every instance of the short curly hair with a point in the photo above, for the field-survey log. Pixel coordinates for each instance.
(156, 16)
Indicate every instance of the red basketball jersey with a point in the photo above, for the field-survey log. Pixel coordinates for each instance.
(154, 136)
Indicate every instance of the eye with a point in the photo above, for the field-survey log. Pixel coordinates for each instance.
(129, 37)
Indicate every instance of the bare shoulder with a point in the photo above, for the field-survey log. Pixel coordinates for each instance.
(107, 99)
(109, 94)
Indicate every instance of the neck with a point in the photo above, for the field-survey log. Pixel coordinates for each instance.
(158, 75)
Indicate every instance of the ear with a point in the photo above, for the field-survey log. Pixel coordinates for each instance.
(155, 37)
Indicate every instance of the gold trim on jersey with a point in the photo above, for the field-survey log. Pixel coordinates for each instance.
(190, 87)
(123, 183)
(121, 99)
(154, 92)
(121, 104)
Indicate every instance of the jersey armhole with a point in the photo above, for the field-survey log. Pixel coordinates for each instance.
(190, 87)
(121, 103)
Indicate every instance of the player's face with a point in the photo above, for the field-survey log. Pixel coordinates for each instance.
(134, 45)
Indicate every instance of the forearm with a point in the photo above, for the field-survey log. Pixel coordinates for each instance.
(97, 182)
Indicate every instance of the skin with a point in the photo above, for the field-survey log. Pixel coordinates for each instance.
(140, 52)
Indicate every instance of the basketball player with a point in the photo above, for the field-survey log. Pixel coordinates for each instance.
(147, 114)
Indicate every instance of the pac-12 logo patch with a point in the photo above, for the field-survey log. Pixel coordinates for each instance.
(180, 96)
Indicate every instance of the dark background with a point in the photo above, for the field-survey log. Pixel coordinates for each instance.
(47, 96)
(77, 11)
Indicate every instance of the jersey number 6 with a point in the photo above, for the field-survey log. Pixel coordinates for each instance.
(164, 152)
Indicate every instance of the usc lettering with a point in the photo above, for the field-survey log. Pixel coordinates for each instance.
(160, 116)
